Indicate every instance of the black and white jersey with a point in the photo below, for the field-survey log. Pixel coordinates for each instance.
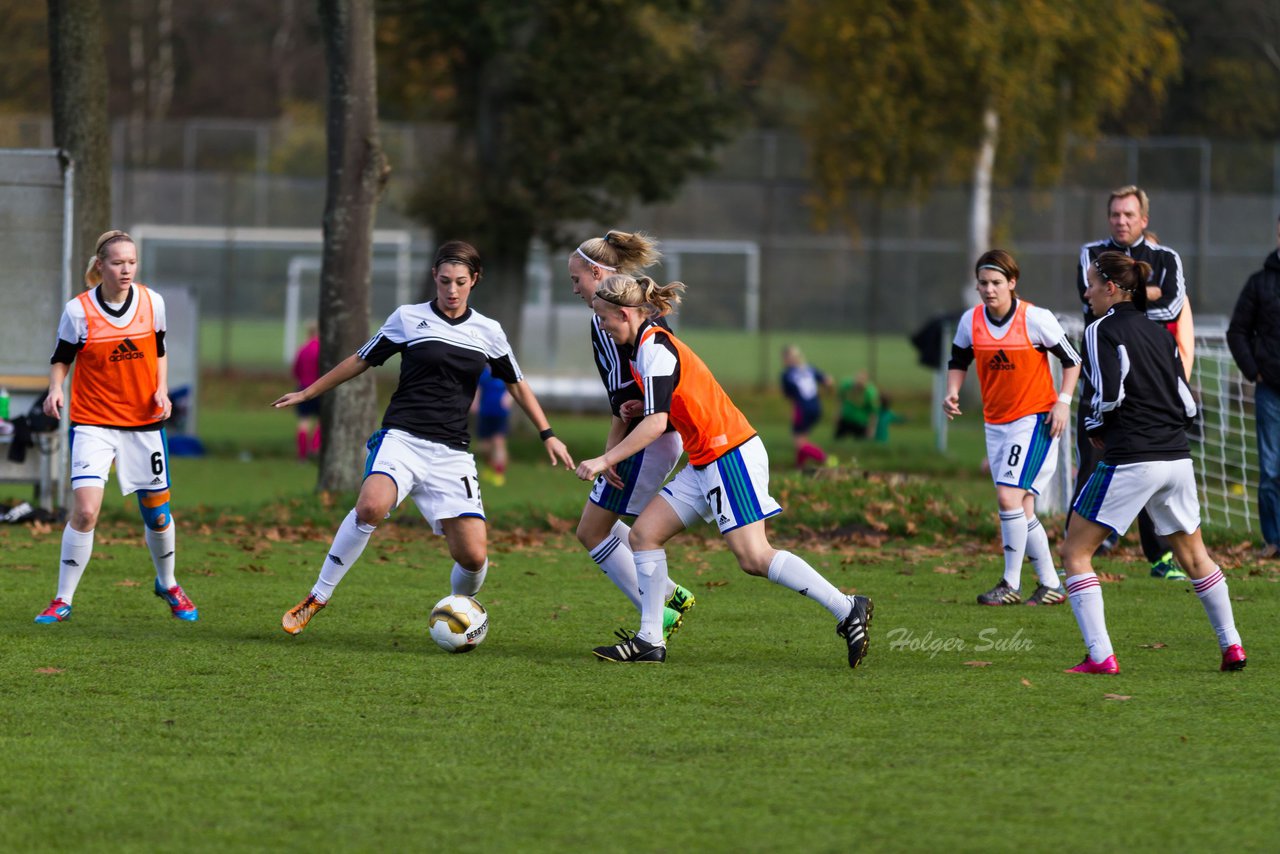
(1166, 273)
(1136, 396)
(441, 359)
(613, 361)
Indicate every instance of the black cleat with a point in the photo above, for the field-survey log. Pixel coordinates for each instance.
(1001, 594)
(632, 649)
(1047, 595)
(853, 628)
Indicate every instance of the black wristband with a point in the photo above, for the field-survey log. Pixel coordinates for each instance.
(546, 434)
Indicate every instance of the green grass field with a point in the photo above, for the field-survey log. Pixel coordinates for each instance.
(124, 729)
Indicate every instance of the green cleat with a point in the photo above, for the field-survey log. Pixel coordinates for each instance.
(1168, 569)
(671, 622)
(681, 600)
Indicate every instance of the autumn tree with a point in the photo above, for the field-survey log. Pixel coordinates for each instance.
(911, 92)
(564, 111)
(78, 85)
(357, 173)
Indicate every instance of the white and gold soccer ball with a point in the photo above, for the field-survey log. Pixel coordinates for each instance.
(458, 623)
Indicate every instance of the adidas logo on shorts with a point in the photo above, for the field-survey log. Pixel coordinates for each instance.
(724, 520)
(156, 481)
(127, 350)
(1001, 362)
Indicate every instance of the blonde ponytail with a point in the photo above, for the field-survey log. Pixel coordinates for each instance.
(643, 292)
(621, 251)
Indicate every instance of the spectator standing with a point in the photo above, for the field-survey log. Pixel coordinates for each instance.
(1254, 338)
(306, 370)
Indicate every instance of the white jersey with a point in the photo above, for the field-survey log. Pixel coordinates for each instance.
(73, 327)
(441, 360)
(1043, 329)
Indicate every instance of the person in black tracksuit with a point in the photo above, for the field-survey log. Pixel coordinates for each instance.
(1254, 338)
(1137, 409)
(1166, 294)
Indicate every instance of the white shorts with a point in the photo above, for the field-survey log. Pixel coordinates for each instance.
(1022, 454)
(1166, 488)
(731, 492)
(141, 458)
(442, 482)
(644, 473)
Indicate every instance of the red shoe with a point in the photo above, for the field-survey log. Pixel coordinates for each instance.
(59, 611)
(1108, 667)
(1233, 657)
(178, 603)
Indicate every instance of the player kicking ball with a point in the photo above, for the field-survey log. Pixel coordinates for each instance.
(725, 482)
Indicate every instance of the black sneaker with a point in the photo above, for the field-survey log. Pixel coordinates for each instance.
(631, 649)
(853, 628)
(1047, 596)
(1001, 594)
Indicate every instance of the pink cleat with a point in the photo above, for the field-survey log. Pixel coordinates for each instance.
(1233, 658)
(1109, 667)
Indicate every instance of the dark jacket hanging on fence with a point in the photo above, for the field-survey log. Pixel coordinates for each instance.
(1254, 333)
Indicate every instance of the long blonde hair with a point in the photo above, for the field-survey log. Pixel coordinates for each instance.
(641, 292)
(620, 251)
(93, 275)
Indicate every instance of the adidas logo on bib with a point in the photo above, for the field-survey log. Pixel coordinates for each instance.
(126, 350)
(1001, 362)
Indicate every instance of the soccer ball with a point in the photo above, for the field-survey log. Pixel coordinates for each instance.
(458, 623)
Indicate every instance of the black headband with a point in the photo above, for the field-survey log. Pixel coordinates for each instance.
(607, 298)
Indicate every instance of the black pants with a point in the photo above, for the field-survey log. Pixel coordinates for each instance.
(1154, 546)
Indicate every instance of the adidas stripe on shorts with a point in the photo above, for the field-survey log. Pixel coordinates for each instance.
(1114, 496)
(1021, 453)
(141, 458)
(442, 482)
(730, 492)
(643, 475)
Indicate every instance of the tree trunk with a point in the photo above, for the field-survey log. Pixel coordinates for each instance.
(358, 172)
(980, 216)
(78, 84)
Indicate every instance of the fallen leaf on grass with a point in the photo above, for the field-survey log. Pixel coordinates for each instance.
(128, 582)
(48, 670)
(977, 664)
(709, 584)
(848, 591)
(1121, 697)
(1154, 645)
(1026, 682)
(946, 570)
(1109, 576)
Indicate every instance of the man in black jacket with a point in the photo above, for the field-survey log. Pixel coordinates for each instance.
(1254, 338)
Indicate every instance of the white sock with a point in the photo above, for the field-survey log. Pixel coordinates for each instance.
(615, 560)
(622, 531)
(464, 582)
(1013, 533)
(161, 545)
(348, 545)
(1040, 555)
(651, 573)
(1212, 590)
(77, 548)
(793, 573)
(1085, 594)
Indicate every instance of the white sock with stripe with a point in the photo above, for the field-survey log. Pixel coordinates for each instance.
(162, 544)
(1041, 555)
(622, 531)
(651, 574)
(614, 557)
(77, 548)
(1013, 533)
(1085, 594)
(795, 574)
(464, 582)
(1212, 590)
(348, 545)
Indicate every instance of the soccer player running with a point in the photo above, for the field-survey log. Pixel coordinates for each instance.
(421, 450)
(1139, 407)
(627, 487)
(1024, 414)
(725, 482)
(114, 333)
